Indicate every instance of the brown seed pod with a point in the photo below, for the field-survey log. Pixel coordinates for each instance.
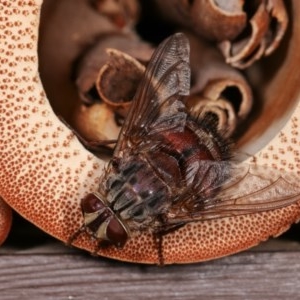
(59, 171)
(217, 87)
(98, 63)
(69, 23)
(117, 81)
(207, 18)
(244, 30)
(266, 29)
(88, 120)
(221, 110)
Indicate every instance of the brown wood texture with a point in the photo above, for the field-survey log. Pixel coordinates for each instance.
(34, 266)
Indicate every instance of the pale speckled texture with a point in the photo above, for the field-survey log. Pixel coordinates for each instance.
(44, 170)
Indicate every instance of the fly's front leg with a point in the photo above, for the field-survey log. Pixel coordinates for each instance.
(158, 242)
(159, 234)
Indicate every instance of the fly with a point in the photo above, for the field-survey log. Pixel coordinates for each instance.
(170, 168)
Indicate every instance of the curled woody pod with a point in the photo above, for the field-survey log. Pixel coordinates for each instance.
(95, 60)
(215, 20)
(265, 30)
(229, 16)
(213, 80)
(96, 122)
(70, 29)
(118, 79)
(245, 30)
(45, 171)
(100, 72)
(113, 91)
(222, 111)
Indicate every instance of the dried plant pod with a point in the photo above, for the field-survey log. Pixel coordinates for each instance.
(215, 20)
(118, 79)
(279, 16)
(96, 122)
(59, 171)
(243, 52)
(233, 91)
(221, 111)
(262, 39)
(97, 57)
(69, 26)
(124, 13)
(101, 120)
(213, 79)
(244, 30)
(5, 220)
(218, 20)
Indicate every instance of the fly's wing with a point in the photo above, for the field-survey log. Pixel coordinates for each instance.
(249, 189)
(158, 105)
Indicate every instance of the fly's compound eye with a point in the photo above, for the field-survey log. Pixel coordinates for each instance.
(92, 203)
(116, 232)
(101, 222)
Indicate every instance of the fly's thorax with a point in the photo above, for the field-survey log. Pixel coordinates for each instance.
(135, 192)
(101, 222)
(195, 159)
(219, 147)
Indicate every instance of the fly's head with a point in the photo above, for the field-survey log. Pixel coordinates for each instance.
(101, 222)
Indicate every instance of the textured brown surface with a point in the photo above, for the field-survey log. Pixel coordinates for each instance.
(44, 170)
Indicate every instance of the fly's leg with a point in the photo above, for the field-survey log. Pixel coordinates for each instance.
(158, 241)
(159, 235)
(75, 235)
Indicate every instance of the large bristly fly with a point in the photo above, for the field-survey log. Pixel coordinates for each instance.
(169, 168)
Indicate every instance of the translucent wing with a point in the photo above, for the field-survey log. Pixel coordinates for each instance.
(158, 105)
(249, 189)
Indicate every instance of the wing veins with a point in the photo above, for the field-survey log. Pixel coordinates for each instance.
(173, 51)
(274, 194)
(143, 90)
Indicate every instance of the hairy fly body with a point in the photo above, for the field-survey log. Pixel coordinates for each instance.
(169, 168)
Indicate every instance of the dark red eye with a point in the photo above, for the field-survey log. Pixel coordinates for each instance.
(116, 233)
(101, 222)
(91, 203)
